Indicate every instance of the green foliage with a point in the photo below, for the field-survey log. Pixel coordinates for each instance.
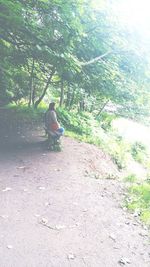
(105, 120)
(119, 150)
(80, 123)
(139, 200)
(138, 151)
(84, 127)
(131, 178)
(45, 44)
(24, 114)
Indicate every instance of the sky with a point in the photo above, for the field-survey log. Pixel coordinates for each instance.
(133, 14)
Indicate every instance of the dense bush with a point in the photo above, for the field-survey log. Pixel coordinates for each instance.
(80, 123)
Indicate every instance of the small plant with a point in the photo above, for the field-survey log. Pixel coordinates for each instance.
(148, 178)
(138, 152)
(119, 151)
(139, 199)
(105, 120)
(111, 176)
(131, 178)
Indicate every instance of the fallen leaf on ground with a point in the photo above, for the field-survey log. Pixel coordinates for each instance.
(74, 225)
(113, 237)
(85, 210)
(59, 227)
(9, 246)
(25, 190)
(136, 213)
(47, 204)
(57, 170)
(7, 189)
(21, 167)
(143, 233)
(44, 221)
(124, 261)
(41, 188)
(71, 256)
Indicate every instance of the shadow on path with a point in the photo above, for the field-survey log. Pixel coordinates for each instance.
(29, 139)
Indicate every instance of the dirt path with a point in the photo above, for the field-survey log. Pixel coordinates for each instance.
(55, 213)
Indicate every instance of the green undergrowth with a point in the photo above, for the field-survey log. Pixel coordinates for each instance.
(138, 197)
(138, 200)
(130, 178)
(84, 127)
(139, 152)
(24, 114)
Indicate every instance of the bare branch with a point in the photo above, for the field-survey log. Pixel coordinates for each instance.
(95, 59)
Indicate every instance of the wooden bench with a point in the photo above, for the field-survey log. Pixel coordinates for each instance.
(53, 140)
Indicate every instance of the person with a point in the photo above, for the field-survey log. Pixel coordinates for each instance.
(51, 122)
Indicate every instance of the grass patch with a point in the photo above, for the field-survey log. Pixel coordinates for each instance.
(139, 199)
(139, 152)
(131, 178)
(105, 119)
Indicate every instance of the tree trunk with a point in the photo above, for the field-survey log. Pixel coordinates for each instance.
(91, 108)
(72, 100)
(68, 96)
(33, 95)
(31, 84)
(104, 105)
(82, 105)
(45, 89)
(62, 93)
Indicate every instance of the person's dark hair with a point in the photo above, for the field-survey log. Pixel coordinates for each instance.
(52, 106)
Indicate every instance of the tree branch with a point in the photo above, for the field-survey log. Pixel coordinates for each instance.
(45, 89)
(95, 59)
